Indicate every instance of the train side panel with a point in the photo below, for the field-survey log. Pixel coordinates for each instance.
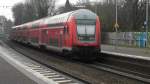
(76, 32)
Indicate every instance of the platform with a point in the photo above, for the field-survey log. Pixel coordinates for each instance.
(17, 68)
(10, 75)
(144, 52)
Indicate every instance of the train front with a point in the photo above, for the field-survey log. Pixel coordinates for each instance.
(86, 41)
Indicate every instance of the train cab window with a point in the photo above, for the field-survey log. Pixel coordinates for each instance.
(35, 26)
(86, 30)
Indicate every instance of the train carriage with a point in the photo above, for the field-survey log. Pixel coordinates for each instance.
(76, 32)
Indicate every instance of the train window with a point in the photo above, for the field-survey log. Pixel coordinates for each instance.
(86, 27)
(86, 30)
(90, 29)
(81, 29)
(65, 30)
(35, 26)
(86, 21)
(50, 40)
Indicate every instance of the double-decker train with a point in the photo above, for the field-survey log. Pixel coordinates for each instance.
(76, 32)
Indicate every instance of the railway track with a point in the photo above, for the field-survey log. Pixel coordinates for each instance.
(131, 67)
(105, 66)
(131, 70)
(48, 66)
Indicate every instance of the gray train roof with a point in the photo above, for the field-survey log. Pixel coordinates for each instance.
(78, 14)
(84, 14)
(62, 18)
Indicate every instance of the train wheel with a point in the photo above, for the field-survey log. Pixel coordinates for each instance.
(42, 47)
(67, 54)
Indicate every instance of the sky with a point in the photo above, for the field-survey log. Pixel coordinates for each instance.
(6, 11)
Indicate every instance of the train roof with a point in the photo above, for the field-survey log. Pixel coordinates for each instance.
(84, 14)
(61, 18)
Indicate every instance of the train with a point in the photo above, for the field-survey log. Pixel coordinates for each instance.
(76, 32)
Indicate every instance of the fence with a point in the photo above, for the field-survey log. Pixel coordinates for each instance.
(137, 39)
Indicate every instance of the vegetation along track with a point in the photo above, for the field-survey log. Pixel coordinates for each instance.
(75, 69)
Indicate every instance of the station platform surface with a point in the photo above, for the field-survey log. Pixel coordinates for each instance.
(10, 75)
(145, 52)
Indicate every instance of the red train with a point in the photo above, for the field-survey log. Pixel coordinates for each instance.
(76, 32)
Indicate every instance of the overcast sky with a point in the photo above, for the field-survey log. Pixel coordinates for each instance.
(7, 11)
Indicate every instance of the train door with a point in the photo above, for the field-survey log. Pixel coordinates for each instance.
(28, 35)
(61, 38)
(66, 36)
(44, 37)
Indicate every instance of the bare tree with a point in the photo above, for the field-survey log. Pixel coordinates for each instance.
(40, 7)
(32, 10)
(18, 11)
(51, 8)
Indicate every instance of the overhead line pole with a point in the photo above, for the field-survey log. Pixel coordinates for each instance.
(116, 24)
(116, 14)
(96, 7)
(147, 10)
